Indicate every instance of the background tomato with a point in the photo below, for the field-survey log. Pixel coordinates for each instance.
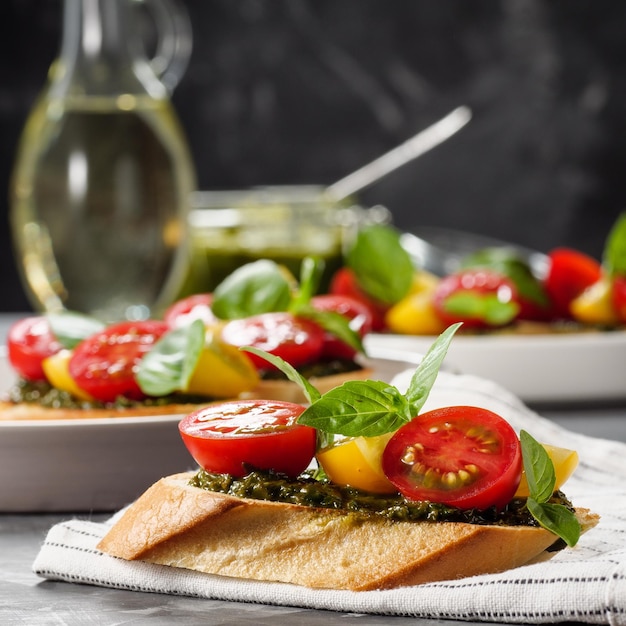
(570, 272)
(104, 364)
(235, 437)
(295, 340)
(359, 318)
(478, 297)
(29, 342)
(344, 283)
(185, 311)
(619, 297)
(467, 457)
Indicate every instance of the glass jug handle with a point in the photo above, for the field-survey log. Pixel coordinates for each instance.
(174, 40)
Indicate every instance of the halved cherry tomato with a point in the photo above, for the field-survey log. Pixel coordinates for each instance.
(104, 364)
(185, 311)
(478, 297)
(236, 437)
(570, 272)
(619, 297)
(359, 319)
(57, 369)
(295, 340)
(29, 342)
(462, 456)
(564, 461)
(344, 283)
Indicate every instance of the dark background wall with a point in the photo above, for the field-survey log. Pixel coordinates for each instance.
(305, 91)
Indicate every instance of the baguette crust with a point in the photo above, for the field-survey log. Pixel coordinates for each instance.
(179, 525)
(266, 389)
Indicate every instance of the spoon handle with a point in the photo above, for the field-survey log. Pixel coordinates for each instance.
(424, 141)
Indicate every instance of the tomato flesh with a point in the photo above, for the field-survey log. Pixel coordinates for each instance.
(462, 456)
(236, 437)
(295, 340)
(29, 342)
(570, 272)
(187, 310)
(359, 319)
(618, 295)
(104, 365)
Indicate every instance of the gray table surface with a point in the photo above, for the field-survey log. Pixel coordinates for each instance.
(26, 599)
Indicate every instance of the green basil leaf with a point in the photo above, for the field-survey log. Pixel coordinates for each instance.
(70, 328)
(508, 262)
(383, 268)
(335, 324)
(557, 519)
(311, 270)
(426, 372)
(169, 365)
(358, 408)
(538, 467)
(310, 392)
(252, 289)
(485, 307)
(614, 257)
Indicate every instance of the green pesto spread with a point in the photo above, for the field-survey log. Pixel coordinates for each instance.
(44, 394)
(309, 491)
(317, 369)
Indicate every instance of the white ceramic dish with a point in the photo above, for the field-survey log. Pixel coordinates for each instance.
(559, 368)
(95, 464)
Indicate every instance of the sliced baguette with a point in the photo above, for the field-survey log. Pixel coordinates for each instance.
(179, 525)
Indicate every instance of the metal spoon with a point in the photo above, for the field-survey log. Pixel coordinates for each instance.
(421, 143)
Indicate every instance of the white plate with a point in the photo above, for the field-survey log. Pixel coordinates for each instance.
(95, 464)
(559, 368)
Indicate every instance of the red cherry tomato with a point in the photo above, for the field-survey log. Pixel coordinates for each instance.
(235, 437)
(618, 294)
(570, 272)
(104, 364)
(462, 456)
(29, 342)
(187, 310)
(295, 340)
(359, 319)
(478, 297)
(344, 283)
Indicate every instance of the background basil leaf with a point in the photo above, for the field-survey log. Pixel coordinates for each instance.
(614, 257)
(252, 289)
(168, 366)
(383, 268)
(358, 408)
(557, 519)
(311, 270)
(71, 328)
(538, 467)
(426, 373)
(310, 392)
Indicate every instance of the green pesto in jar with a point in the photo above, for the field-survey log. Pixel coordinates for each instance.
(308, 491)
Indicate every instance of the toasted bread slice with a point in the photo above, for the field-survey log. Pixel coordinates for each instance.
(176, 524)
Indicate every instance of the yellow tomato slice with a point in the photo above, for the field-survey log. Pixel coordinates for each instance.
(57, 371)
(595, 305)
(357, 463)
(565, 462)
(223, 371)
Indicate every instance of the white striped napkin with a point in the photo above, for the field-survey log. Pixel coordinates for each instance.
(583, 584)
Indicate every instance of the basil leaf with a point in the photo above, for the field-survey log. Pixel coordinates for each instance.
(359, 408)
(70, 328)
(614, 257)
(252, 289)
(310, 392)
(311, 270)
(426, 373)
(538, 467)
(335, 324)
(169, 365)
(557, 519)
(383, 268)
(485, 307)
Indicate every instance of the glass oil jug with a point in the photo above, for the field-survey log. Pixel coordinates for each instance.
(103, 174)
